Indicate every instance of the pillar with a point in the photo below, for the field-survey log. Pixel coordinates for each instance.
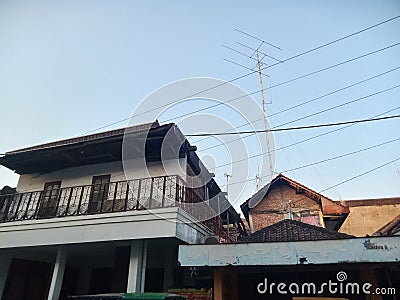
(58, 274)
(137, 266)
(5, 262)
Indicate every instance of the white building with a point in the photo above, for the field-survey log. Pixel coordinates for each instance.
(79, 224)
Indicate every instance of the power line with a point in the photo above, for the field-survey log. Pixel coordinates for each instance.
(295, 128)
(310, 115)
(310, 100)
(340, 39)
(301, 141)
(340, 105)
(340, 156)
(334, 66)
(250, 157)
(325, 160)
(362, 174)
(332, 131)
(279, 84)
(253, 72)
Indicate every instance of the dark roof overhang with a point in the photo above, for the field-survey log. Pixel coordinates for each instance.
(104, 147)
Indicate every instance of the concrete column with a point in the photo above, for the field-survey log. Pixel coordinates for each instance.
(137, 266)
(5, 262)
(58, 274)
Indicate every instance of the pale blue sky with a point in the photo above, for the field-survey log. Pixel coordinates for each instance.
(67, 67)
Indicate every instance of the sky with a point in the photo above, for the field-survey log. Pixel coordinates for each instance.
(71, 67)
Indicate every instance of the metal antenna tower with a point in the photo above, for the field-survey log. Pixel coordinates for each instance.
(271, 166)
(258, 56)
(227, 195)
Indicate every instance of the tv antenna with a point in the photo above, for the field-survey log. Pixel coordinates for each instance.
(258, 56)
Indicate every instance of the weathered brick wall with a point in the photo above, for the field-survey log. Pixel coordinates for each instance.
(273, 208)
(263, 220)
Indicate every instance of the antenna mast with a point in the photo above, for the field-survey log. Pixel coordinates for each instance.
(227, 212)
(256, 53)
(271, 167)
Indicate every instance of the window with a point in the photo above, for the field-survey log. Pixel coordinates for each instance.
(99, 193)
(48, 205)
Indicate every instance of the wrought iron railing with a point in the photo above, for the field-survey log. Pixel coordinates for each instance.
(137, 194)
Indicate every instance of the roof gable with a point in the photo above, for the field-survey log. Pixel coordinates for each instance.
(328, 206)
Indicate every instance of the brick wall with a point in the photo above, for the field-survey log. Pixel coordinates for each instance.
(275, 206)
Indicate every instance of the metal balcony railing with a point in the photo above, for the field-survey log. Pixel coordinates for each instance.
(137, 194)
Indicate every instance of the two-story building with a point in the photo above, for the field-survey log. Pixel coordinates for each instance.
(81, 222)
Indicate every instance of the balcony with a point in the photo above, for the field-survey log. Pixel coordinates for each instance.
(109, 197)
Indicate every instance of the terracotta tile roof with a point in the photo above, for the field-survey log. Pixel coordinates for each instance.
(290, 231)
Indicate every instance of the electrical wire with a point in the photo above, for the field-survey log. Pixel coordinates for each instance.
(339, 39)
(295, 128)
(307, 116)
(250, 157)
(279, 84)
(362, 174)
(301, 141)
(308, 101)
(339, 156)
(253, 72)
(323, 161)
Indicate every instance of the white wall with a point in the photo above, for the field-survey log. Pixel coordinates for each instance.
(116, 226)
(83, 175)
